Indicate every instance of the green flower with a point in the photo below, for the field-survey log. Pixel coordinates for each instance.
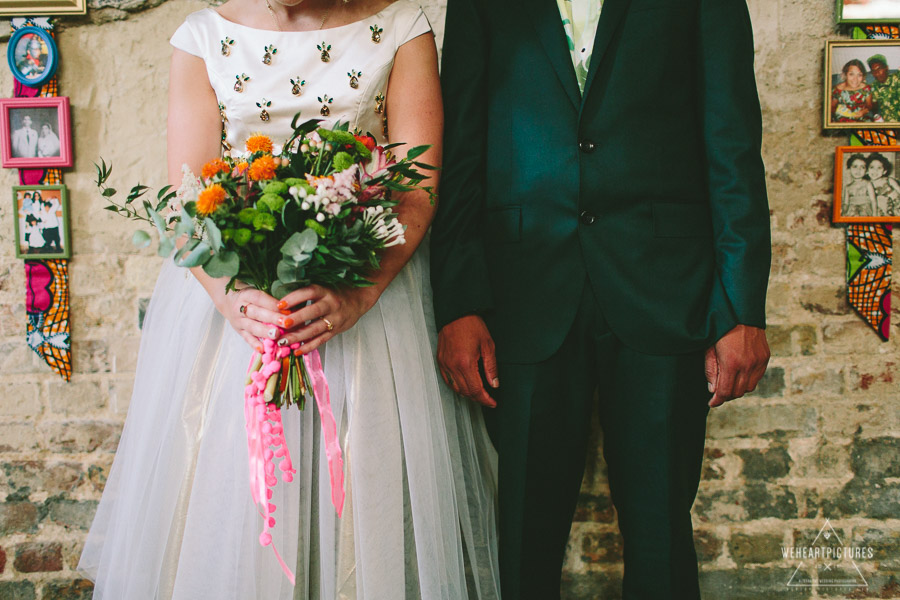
(276, 187)
(242, 236)
(342, 161)
(272, 202)
(264, 221)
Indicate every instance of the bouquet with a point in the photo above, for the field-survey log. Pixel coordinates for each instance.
(320, 211)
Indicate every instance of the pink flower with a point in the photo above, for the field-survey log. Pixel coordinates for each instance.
(377, 166)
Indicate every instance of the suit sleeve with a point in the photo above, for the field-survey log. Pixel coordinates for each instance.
(732, 129)
(459, 274)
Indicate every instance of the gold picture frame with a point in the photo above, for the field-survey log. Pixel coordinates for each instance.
(36, 8)
(854, 55)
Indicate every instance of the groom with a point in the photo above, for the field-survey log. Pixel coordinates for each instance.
(602, 225)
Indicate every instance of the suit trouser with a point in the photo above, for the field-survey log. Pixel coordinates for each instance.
(653, 413)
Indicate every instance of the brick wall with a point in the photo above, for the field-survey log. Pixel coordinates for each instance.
(819, 440)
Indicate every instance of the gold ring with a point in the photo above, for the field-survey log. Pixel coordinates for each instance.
(328, 323)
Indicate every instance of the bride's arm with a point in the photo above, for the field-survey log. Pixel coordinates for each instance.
(416, 117)
(193, 138)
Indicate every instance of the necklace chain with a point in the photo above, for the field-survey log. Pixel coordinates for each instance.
(325, 16)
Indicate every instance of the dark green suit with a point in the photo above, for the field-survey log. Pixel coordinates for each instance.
(630, 221)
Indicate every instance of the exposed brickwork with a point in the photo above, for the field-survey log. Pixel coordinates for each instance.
(819, 440)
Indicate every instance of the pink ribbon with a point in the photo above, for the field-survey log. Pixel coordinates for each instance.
(265, 437)
(329, 428)
(265, 442)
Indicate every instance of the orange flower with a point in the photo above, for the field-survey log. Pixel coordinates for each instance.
(214, 167)
(210, 199)
(263, 168)
(241, 168)
(259, 143)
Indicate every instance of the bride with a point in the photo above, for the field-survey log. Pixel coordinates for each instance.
(176, 519)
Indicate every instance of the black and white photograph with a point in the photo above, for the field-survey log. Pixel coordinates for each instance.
(41, 221)
(867, 189)
(35, 132)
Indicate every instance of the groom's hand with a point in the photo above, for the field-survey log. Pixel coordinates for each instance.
(461, 345)
(736, 363)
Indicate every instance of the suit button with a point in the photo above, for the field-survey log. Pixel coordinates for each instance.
(587, 218)
(587, 146)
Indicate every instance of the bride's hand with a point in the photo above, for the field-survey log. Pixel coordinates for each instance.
(252, 314)
(330, 312)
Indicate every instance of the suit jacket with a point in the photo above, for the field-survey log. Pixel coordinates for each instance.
(650, 187)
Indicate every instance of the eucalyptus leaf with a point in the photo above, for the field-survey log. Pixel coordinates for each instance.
(198, 256)
(109, 192)
(223, 264)
(185, 224)
(158, 221)
(281, 289)
(288, 271)
(166, 246)
(184, 250)
(141, 238)
(300, 244)
(213, 233)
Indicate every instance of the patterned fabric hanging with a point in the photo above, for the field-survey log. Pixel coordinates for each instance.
(870, 245)
(869, 257)
(46, 281)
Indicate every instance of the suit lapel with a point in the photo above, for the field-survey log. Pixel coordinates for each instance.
(610, 16)
(549, 28)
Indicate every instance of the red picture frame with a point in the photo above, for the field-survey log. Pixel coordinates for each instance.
(35, 133)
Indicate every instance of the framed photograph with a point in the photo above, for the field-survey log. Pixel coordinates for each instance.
(35, 133)
(866, 185)
(862, 84)
(868, 11)
(32, 56)
(29, 8)
(42, 221)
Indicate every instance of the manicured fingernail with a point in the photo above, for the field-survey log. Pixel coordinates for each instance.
(709, 386)
(273, 333)
(282, 305)
(287, 322)
(298, 352)
(495, 382)
(259, 349)
(285, 312)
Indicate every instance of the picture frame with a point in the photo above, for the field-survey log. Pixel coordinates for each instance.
(866, 188)
(854, 12)
(32, 56)
(35, 133)
(29, 8)
(861, 87)
(41, 221)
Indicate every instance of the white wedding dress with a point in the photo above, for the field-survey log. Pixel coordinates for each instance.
(176, 519)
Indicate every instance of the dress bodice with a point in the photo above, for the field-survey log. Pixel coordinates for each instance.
(262, 78)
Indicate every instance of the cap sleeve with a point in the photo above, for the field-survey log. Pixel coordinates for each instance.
(415, 26)
(189, 37)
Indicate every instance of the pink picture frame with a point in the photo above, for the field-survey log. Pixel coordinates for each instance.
(35, 133)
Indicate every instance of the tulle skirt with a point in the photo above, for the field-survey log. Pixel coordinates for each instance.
(176, 519)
